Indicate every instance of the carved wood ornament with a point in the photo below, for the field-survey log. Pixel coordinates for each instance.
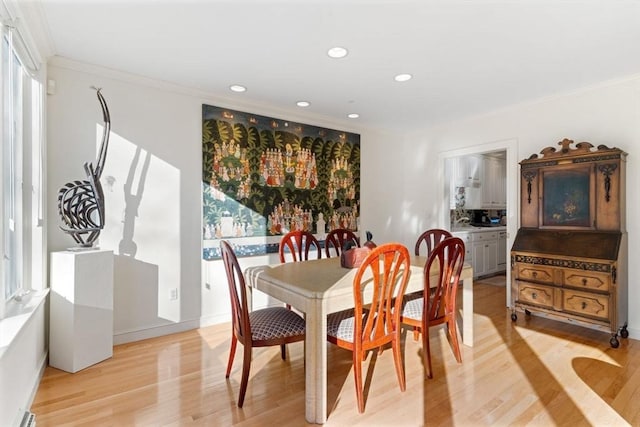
(580, 149)
(581, 153)
(528, 176)
(607, 171)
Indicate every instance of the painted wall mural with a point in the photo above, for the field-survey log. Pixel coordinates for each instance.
(263, 177)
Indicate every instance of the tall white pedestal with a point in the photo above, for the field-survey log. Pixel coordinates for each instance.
(81, 311)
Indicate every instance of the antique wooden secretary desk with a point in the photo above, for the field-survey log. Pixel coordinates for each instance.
(569, 258)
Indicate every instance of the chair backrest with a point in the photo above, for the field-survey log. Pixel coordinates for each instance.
(431, 238)
(237, 293)
(448, 255)
(298, 243)
(337, 238)
(384, 274)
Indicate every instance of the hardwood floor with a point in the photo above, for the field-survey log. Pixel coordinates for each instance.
(532, 372)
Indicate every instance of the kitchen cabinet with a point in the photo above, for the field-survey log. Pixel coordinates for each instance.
(494, 183)
(467, 171)
(464, 175)
(502, 251)
(484, 248)
(466, 238)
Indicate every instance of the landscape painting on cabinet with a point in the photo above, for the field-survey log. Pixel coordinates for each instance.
(263, 177)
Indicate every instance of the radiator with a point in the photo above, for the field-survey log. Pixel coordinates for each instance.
(28, 419)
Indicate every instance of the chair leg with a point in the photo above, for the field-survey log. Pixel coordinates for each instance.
(426, 350)
(283, 351)
(246, 366)
(357, 373)
(416, 333)
(453, 333)
(397, 360)
(232, 353)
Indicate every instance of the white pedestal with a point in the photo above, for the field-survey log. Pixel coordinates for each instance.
(81, 311)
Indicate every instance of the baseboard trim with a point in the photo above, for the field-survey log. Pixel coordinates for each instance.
(158, 331)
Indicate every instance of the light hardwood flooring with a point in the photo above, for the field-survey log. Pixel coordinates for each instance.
(532, 372)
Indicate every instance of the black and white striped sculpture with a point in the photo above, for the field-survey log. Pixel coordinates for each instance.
(81, 203)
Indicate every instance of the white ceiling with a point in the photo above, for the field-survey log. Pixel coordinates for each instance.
(467, 57)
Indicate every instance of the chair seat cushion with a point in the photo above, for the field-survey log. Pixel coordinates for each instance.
(275, 322)
(341, 325)
(412, 308)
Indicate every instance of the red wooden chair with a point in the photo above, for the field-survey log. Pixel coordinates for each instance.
(298, 243)
(374, 322)
(337, 238)
(440, 307)
(259, 328)
(431, 238)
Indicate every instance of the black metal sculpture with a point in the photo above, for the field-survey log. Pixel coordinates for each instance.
(81, 203)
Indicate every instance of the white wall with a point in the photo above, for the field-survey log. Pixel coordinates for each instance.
(22, 364)
(154, 204)
(607, 114)
(401, 186)
(153, 219)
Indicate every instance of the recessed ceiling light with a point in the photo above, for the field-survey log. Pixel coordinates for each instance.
(337, 52)
(303, 103)
(402, 77)
(353, 115)
(238, 88)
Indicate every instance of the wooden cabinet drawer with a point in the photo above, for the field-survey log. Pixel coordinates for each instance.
(535, 273)
(587, 280)
(535, 294)
(586, 304)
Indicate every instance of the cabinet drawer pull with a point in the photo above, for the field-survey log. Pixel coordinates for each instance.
(584, 305)
(534, 295)
(584, 282)
(534, 274)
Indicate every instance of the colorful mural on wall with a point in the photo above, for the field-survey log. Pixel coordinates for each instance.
(263, 177)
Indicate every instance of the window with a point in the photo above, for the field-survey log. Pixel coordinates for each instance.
(11, 170)
(21, 236)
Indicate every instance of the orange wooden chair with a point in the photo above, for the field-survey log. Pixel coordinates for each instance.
(337, 238)
(259, 328)
(440, 306)
(298, 243)
(431, 238)
(374, 322)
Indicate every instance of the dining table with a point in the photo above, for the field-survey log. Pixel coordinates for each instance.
(322, 286)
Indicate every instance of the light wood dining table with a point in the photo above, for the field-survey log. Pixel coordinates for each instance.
(322, 286)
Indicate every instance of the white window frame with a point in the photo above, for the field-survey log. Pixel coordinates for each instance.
(27, 225)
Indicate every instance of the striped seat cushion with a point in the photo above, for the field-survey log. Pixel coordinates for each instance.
(275, 322)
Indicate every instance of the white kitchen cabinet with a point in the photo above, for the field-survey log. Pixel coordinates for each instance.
(494, 183)
(466, 238)
(502, 251)
(465, 172)
(484, 248)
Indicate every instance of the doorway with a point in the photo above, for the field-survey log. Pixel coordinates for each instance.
(510, 149)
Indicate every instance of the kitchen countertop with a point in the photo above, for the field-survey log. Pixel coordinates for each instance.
(459, 228)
